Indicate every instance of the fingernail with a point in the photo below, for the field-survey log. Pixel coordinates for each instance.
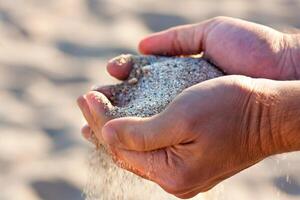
(98, 101)
(93, 98)
(121, 60)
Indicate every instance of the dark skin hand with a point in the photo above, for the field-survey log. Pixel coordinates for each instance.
(214, 129)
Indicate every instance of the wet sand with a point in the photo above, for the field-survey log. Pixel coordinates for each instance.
(53, 51)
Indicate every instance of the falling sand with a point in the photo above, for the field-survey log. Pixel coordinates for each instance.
(152, 84)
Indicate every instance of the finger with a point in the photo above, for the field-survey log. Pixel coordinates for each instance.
(85, 109)
(107, 90)
(98, 106)
(86, 132)
(144, 134)
(89, 135)
(180, 40)
(81, 101)
(120, 66)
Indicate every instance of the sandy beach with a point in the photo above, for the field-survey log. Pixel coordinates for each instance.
(53, 51)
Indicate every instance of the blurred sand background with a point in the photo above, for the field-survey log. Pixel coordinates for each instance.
(51, 51)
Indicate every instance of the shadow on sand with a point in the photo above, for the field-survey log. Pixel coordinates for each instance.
(165, 20)
(56, 190)
(291, 187)
(86, 51)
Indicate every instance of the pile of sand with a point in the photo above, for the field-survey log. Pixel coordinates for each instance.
(155, 81)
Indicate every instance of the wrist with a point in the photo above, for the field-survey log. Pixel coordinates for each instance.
(286, 115)
(276, 105)
(259, 112)
(292, 55)
(272, 116)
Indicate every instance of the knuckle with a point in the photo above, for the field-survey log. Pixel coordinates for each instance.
(177, 38)
(219, 18)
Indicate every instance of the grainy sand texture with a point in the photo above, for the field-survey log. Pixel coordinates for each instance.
(53, 51)
(155, 81)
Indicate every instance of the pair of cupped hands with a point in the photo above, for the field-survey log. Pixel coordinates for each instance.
(211, 130)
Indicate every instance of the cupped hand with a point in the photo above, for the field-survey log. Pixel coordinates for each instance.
(236, 46)
(210, 132)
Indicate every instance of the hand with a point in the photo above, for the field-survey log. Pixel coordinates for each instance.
(210, 132)
(236, 46)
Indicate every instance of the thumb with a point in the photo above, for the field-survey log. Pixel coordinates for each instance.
(142, 134)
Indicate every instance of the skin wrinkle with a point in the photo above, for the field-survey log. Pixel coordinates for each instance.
(286, 144)
(270, 104)
(279, 127)
(267, 107)
(245, 125)
(294, 65)
(196, 40)
(271, 131)
(212, 24)
(282, 62)
(150, 172)
(286, 58)
(260, 130)
(295, 55)
(177, 42)
(199, 37)
(277, 119)
(167, 157)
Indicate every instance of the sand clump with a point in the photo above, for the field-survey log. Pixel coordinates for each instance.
(155, 81)
(152, 84)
